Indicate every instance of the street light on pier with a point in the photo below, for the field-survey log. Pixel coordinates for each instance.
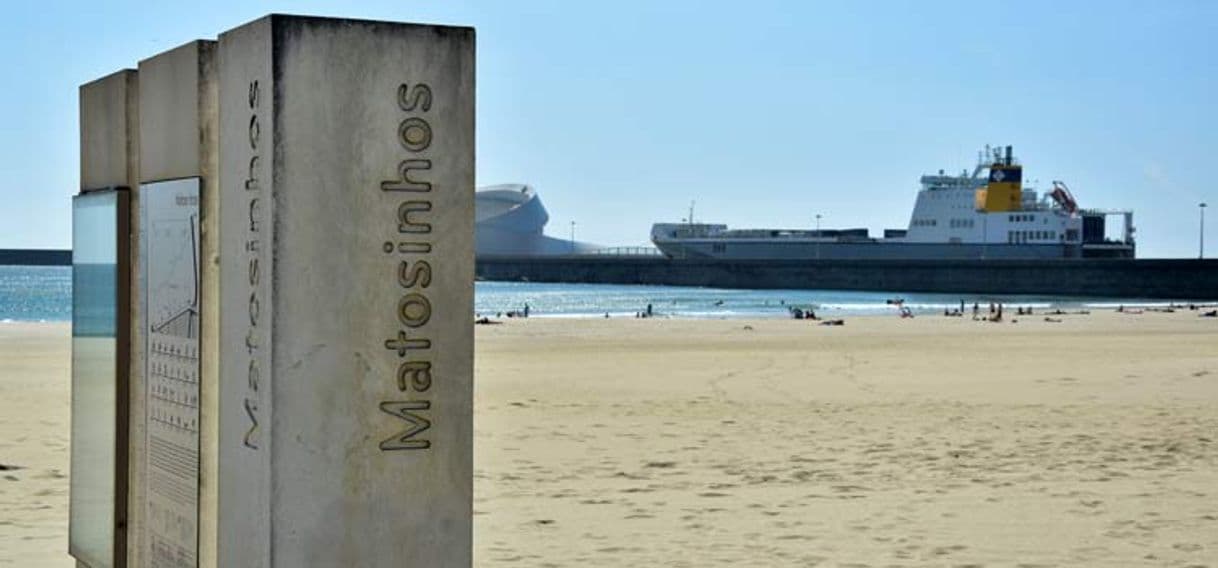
(818, 236)
(1201, 252)
(572, 237)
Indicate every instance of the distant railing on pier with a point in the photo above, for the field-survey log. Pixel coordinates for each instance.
(625, 251)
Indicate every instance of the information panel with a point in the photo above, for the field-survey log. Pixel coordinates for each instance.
(169, 242)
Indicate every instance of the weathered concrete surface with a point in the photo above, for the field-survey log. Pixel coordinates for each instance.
(1147, 278)
(179, 135)
(109, 158)
(173, 95)
(347, 152)
(109, 131)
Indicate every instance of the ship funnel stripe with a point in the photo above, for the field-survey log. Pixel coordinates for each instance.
(1006, 175)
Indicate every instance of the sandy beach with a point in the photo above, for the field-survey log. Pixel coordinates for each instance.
(929, 441)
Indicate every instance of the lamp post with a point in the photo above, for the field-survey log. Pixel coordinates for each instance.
(1201, 252)
(572, 237)
(818, 236)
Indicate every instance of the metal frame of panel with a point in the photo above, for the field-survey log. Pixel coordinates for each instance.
(122, 350)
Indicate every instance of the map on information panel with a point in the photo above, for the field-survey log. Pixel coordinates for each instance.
(169, 247)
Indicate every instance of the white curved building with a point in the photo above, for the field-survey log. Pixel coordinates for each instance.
(510, 220)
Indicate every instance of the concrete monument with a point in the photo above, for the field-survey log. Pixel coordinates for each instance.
(346, 293)
(300, 254)
(174, 386)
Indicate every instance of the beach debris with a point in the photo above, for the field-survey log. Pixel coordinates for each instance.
(661, 464)
(1210, 314)
(1053, 320)
(486, 321)
(833, 322)
(9, 467)
(748, 328)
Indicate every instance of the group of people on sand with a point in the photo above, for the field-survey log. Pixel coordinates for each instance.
(1191, 307)
(902, 310)
(486, 320)
(995, 312)
(810, 315)
(800, 314)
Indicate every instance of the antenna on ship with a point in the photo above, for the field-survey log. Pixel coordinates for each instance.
(691, 212)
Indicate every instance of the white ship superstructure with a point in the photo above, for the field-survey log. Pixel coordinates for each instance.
(954, 216)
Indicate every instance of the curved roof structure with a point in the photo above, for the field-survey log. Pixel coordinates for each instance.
(510, 220)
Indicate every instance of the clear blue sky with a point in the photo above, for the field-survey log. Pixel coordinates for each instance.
(766, 113)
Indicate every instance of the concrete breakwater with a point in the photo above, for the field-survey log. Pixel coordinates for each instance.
(35, 257)
(1192, 279)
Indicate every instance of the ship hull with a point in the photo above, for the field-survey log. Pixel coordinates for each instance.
(723, 249)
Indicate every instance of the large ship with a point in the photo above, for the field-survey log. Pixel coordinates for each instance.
(986, 214)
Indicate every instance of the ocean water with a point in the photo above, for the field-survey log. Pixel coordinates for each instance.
(44, 293)
(596, 300)
(35, 293)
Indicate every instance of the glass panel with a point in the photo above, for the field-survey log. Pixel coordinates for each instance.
(98, 283)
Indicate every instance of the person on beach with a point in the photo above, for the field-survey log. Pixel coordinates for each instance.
(649, 313)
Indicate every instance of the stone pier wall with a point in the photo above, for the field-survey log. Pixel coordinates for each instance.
(1149, 278)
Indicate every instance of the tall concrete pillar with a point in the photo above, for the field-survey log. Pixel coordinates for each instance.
(109, 132)
(346, 294)
(109, 160)
(175, 423)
